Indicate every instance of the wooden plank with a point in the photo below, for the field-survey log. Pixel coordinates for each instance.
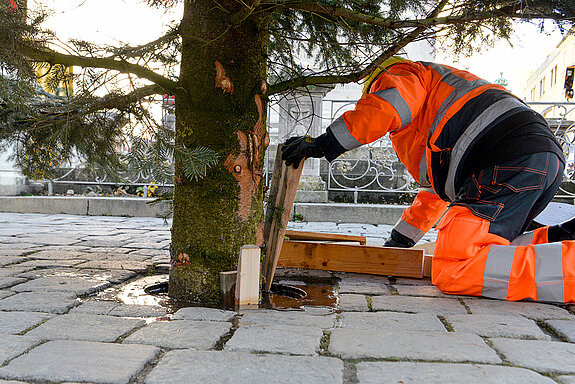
(228, 288)
(427, 260)
(316, 236)
(401, 262)
(285, 181)
(428, 248)
(248, 277)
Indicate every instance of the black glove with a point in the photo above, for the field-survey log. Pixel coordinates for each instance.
(398, 240)
(295, 149)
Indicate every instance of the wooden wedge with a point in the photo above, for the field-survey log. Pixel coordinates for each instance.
(283, 188)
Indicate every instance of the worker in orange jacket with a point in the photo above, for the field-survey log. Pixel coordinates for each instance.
(478, 152)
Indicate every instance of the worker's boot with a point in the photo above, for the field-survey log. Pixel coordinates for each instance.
(563, 231)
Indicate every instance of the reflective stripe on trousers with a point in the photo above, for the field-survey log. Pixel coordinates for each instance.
(471, 261)
(548, 270)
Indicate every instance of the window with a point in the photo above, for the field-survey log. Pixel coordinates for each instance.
(553, 78)
(542, 87)
(533, 94)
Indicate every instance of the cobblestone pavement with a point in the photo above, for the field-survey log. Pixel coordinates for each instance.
(68, 314)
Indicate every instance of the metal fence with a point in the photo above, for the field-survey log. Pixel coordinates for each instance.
(375, 168)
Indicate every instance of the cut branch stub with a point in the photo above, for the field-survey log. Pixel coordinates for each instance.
(222, 81)
(238, 167)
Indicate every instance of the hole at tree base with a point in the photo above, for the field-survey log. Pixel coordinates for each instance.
(295, 293)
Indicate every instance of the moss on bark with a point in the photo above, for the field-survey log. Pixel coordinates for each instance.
(206, 224)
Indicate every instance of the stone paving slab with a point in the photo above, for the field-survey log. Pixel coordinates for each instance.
(39, 302)
(392, 321)
(564, 328)
(11, 382)
(295, 318)
(516, 327)
(7, 260)
(438, 306)
(566, 379)
(114, 276)
(112, 308)
(7, 282)
(363, 284)
(276, 339)
(180, 334)
(536, 311)
(56, 254)
(137, 266)
(244, 368)
(542, 356)
(80, 361)
(437, 373)
(74, 285)
(435, 346)
(13, 271)
(421, 290)
(203, 314)
(85, 328)
(353, 302)
(59, 263)
(17, 322)
(5, 293)
(12, 346)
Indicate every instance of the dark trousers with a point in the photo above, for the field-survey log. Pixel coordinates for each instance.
(512, 193)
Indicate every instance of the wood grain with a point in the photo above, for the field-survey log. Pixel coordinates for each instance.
(316, 236)
(384, 261)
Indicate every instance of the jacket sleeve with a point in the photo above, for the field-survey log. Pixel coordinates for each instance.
(421, 216)
(395, 99)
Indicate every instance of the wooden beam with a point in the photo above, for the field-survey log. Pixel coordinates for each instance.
(248, 277)
(428, 249)
(401, 262)
(427, 260)
(228, 288)
(280, 202)
(316, 236)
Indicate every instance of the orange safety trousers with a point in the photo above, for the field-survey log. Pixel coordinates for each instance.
(468, 260)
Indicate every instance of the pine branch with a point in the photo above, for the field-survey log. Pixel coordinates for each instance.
(516, 10)
(53, 57)
(195, 162)
(394, 48)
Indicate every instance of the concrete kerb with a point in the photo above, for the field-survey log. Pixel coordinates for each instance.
(375, 214)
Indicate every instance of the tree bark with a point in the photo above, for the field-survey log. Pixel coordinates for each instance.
(219, 104)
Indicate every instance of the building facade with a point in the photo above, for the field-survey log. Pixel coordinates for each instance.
(547, 82)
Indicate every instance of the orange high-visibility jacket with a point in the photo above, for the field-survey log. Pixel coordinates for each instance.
(417, 103)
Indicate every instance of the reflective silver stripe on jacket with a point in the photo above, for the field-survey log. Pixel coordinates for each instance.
(497, 271)
(471, 132)
(423, 178)
(393, 97)
(408, 230)
(549, 272)
(461, 88)
(524, 239)
(341, 133)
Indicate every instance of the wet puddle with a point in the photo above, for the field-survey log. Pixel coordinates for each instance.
(286, 294)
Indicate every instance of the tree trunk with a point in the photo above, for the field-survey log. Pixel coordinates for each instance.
(219, 106)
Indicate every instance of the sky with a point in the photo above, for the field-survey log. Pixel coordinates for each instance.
(124, 21)
(529, 50)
